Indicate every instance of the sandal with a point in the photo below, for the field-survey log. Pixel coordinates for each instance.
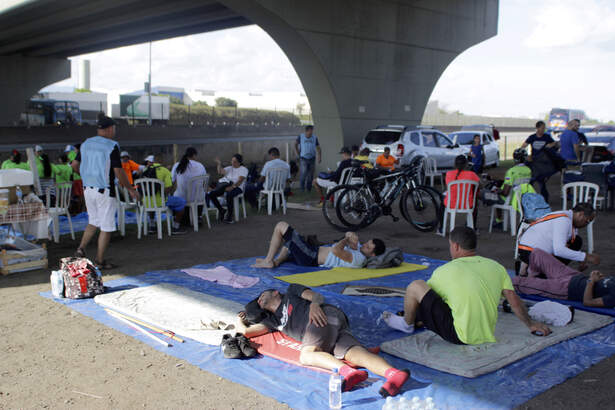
(105, 265)
(80, 253)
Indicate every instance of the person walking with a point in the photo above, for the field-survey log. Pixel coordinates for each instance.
(541, 164)
(308, 150)
(98, 162)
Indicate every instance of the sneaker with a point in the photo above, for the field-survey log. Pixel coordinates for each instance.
(320, 204)
(178, 231)
(245, 346)
(228, 220)
(230, 347)
(221, 214)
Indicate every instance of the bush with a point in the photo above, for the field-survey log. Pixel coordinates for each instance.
(205, 115)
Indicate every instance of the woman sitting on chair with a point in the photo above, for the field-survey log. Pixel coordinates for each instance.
(461, 173)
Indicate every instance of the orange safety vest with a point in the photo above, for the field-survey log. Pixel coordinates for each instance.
(544, 219)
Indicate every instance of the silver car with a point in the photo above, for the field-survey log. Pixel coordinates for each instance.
(407, 142)
(492, 150)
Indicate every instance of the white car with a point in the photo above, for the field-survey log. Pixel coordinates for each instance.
(407, 142)
(492, 150)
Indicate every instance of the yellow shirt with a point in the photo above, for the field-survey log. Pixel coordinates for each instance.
(365, 158)
(472, 287)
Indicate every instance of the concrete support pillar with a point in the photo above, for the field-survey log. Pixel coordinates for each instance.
(22, 77)
(364, 63)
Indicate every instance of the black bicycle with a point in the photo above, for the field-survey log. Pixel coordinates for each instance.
(353, 206)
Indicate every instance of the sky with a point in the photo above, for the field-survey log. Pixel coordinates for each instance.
(547, 53)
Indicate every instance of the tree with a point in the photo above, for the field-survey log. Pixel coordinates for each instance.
(300, 107)
(202, 103)
(225, 102)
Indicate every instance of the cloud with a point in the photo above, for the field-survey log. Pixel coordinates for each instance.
(569, 23)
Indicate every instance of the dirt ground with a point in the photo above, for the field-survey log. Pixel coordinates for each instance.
(51, 355)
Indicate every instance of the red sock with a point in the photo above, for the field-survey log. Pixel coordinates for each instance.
(395, 379)
(351, 377)
(322, 198)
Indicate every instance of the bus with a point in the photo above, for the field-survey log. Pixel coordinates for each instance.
(559, 117)
(55, 112)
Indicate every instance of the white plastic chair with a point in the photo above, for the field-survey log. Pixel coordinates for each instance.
(148, 203)
(236, 202)
(60, 207)
(273, 188)
(462, 204)
(582, 192)
(430, 169)
(126, 203)
(508, 210)
(195, 197)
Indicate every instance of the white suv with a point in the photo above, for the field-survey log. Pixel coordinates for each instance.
(409, 142)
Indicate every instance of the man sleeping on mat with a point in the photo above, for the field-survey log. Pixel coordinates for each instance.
(460, 300)
(547, 276)
(324, 334)
(293, 247)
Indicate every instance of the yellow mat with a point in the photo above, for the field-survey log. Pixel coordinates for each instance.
(338, 275)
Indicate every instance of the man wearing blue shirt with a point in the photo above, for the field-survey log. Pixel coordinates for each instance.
(569, 142)
(308, 149)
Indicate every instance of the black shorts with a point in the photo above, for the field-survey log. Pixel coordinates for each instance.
(301, 252)
(334, 338)
(437, 317)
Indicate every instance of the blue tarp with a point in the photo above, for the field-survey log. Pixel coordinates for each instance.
(81, 221)
(304, 388)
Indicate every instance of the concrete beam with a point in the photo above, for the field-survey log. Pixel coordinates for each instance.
(22, 77)
(364, 63)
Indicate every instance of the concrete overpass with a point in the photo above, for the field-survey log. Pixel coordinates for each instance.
(361, 62)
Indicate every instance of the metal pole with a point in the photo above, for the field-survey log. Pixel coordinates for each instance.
(505, 147)
(149, 88)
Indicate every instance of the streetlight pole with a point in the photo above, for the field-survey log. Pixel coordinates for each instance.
(149, 88)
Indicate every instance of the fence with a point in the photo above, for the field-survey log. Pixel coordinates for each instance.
(510, 141)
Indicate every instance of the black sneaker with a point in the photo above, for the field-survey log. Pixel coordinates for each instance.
(228, 220)
(221, 214)
(245, 345)
(178, 231)
(230, 347)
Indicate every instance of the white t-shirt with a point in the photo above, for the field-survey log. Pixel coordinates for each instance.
(334, 261)
(551, 236)
(275, 164)
(232, 175)
(194, 169)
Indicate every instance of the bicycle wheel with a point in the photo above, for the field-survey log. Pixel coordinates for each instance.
(328, 208)
(420, 207)
(352, 207)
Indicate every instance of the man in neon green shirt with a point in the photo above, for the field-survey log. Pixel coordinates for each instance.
(15, 162)
(518, 176)
(460, 301)
(62, 171)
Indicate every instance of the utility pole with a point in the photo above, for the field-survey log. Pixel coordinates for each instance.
(149, 88)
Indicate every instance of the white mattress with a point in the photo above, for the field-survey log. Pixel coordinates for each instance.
(514, 343)
(174, 308)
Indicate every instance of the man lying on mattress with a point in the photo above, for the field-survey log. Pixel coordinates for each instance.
(547, 276)
(324, 333)
(460, 300)
(292, 246)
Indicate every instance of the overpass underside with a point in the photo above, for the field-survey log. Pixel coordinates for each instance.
(361, 62)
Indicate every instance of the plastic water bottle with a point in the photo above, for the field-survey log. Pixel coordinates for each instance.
(389, 404)
(335, 390)
(19, 194)
(57, 284)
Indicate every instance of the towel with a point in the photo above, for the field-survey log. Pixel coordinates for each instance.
(222, 276)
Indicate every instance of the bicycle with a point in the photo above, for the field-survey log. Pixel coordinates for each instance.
(359, 205)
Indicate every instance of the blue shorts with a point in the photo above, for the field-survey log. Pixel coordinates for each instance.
(301, 252)
(176, 203)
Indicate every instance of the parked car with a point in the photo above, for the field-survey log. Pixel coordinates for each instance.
(492, 150)
(600, 138)
(408, 142)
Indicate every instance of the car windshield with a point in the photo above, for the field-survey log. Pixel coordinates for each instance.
(464, 138)
(382, 137)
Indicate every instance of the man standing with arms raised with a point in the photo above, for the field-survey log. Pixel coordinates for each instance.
(98, 162)
(308, 149)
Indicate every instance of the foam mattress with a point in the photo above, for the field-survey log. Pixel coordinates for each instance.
(514, 343)
(175, 308)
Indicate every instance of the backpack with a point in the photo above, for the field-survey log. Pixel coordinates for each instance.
(389, 259)
(81, 278)
(534, 206)
(150, 172)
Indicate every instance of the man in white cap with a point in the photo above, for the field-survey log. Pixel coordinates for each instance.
(98, 162)
(129, 166)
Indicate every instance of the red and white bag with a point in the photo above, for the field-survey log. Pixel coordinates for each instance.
(81, 278)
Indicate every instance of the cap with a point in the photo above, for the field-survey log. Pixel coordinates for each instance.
(124, 154)
(345, 150)
(38, 148)
(149, 158)
(69, 148)
(105, 122)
